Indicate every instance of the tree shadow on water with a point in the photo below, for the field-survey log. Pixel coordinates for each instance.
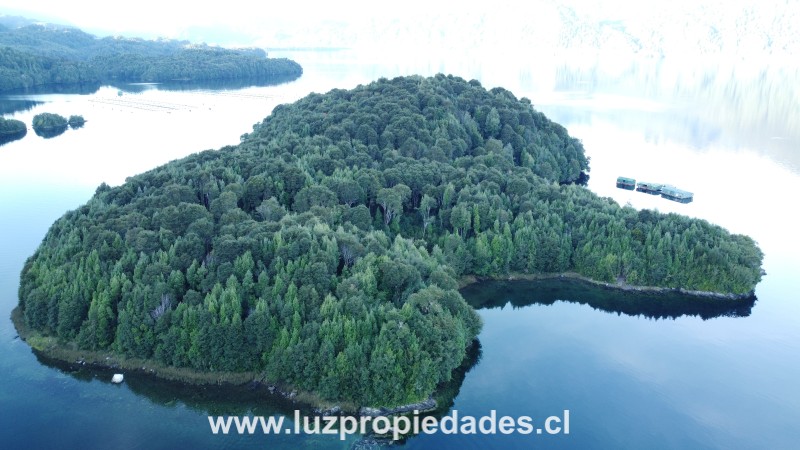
(49, 133)
(665, 305)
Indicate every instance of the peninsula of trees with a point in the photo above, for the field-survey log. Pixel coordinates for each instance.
(41, 55)
(11, 126)
(325, 250)
(11, 130)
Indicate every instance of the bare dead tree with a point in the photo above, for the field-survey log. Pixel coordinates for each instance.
(159, 310)
(348, 255)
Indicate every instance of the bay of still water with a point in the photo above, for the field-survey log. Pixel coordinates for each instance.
(633, 372)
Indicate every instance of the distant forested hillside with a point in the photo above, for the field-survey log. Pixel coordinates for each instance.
(37, 55)
(325, 250)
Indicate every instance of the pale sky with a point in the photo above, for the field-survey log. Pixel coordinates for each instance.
(679, 25)
(167, 17)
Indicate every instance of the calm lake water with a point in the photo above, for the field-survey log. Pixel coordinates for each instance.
(634, 372)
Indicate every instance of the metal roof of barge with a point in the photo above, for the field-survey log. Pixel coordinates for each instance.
(675, 192)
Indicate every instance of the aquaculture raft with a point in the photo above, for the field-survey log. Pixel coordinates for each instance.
(626, 183)
(667, 191)
(677, 195)
(650, 188)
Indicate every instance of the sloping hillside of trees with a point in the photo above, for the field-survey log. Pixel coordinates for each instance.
(324, 250)
(40, 55)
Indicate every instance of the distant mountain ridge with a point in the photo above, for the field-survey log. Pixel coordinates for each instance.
(8, 21)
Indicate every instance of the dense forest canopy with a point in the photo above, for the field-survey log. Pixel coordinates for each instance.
(324, 250)
(36, 55)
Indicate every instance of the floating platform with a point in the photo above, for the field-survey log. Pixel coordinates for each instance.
(665, 190)
(626, 183)
(649, 188)
(676, 195)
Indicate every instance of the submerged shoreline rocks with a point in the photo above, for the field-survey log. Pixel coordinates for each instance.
(425, 405)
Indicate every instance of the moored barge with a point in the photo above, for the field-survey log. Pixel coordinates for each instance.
(665, 190)
(626, 183)
(676, 195)
(650, 188)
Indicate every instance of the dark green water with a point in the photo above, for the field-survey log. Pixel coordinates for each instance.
(634, 371)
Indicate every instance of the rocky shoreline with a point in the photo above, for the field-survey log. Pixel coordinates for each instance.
(423, 406)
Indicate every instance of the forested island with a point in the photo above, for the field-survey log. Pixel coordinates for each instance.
(49, 121)
(11, 130)
(76, 121)
(324, 252)
(44, 55)
(48, 125)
